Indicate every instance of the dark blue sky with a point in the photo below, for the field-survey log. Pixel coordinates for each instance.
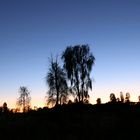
(30, 30)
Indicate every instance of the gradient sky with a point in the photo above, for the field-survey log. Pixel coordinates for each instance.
(30, 30)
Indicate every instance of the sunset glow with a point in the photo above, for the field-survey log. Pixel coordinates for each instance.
(31, 32)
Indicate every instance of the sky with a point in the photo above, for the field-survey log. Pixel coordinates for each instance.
(33, 30)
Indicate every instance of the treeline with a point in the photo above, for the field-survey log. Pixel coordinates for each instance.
(24, 103)
(122, 99)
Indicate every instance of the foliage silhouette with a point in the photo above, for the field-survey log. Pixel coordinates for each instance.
(78, 62)
(121, 97)
(5, 108)
(98, 101)
(112, 98)
(24, 100)
(127, 98)
(57, 82)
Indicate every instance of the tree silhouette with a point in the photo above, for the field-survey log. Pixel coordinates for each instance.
(24, 100)
(112, 98)
(56, 80)
(121, 97)
(78, 62)
(127, 97)
(5, 108)
(98, 101)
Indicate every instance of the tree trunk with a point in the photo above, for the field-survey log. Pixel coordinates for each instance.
(57, 98)
(82, 95)
(23, 103)
(77, 85)
(57, 88)
(79, 95)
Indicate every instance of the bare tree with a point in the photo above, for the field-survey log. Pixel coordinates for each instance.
(56, 80)
(24, 99)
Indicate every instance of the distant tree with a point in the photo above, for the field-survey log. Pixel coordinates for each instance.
(57, 82)
(78, 62)
(121, 97)
(24, 99)
(112, 98)
(5, 108)
(127, 97)
(98, 101)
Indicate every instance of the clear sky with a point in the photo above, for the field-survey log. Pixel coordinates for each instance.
(30, 30)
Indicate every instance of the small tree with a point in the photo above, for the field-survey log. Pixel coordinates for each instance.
(121, 97)
(127, 97)
(112, 98)
(24, 99)
(98, 101)
(5, 108)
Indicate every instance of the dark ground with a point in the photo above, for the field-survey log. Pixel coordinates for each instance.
(74, 122)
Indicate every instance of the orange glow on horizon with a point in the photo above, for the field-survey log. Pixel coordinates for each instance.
(102, 92)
